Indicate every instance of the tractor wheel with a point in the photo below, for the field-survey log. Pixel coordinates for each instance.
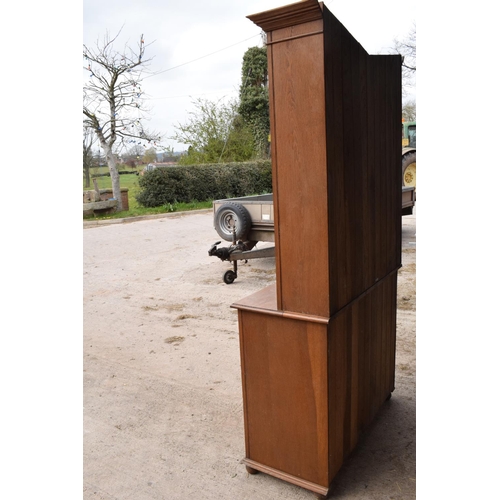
(410, 170)
(231, 215)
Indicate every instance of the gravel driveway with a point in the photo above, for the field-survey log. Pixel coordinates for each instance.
(162, 384)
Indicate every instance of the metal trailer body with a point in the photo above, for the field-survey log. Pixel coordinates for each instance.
(247, 220)
(261, 211)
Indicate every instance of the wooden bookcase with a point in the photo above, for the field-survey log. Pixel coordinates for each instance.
(318, 347)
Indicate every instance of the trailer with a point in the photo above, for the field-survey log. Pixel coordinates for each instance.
(244, 222)
(247, 220)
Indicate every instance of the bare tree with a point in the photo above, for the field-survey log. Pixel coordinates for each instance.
(407, 47)
(88, 158)
(410, 110)
(136, 152)
(112, 104)
(149, 155)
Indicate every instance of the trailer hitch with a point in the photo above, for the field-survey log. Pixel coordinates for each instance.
(242, 250)
(224, 253)
(239, 250)
(229, 253)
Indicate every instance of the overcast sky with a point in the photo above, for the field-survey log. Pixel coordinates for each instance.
(197, 46)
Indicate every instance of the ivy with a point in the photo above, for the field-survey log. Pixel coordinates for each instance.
(254, 97)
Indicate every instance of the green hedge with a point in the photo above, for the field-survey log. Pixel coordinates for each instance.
(185, 184)
(121, 172)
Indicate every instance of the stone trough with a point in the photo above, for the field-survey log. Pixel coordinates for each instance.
(101, 201)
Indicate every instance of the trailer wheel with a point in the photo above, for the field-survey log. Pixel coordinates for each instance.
(229, 277)
(410, 170)
(232, 214)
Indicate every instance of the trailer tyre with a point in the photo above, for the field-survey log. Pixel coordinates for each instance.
(230, 214)
(410, 170)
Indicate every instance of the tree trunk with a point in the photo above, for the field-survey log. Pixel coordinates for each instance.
(115, 177)
(87, 176)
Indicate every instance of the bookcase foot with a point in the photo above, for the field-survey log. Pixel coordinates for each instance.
(251, 470)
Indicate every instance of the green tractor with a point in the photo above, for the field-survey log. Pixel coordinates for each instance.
(409, 161)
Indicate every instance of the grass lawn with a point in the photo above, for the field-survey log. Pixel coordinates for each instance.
(131, 181)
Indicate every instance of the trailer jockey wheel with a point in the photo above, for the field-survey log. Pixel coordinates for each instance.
(229, 277)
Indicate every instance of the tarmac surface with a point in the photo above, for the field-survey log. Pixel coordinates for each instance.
(162, 383)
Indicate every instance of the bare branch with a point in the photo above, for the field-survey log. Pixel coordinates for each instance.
(407, 48)
(113, 101)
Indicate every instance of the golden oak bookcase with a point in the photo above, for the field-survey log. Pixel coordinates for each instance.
(318, 347)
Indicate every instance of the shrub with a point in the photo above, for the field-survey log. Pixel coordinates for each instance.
(190, 183)
(120, 172)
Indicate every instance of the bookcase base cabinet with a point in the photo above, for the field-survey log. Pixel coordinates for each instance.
(312, 384)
